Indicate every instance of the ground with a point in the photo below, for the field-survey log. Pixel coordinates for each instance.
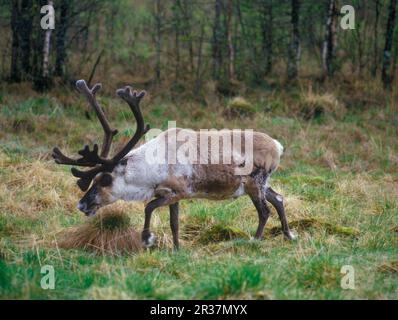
(339, 177)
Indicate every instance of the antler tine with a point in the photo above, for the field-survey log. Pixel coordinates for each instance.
(85, 176)
(133, 99)
(60, 158)
(81, 85)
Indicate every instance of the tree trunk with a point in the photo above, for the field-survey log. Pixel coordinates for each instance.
(217, 41)
(376, 39)
(387, 76)
(42, 80)
(177, 26)
(92, 73)
(255, 72)
(267, 34)
(188, 30)
(231, 49)
(26, 22)
(395, 61)
(15, 71)
(198, 80)
(158, 38)
(330, 42)
(294, 50)
(64, 9)
(46, 49)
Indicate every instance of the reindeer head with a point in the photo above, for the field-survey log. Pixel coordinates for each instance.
(104, 171)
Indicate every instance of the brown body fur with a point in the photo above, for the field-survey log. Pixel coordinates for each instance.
(217, 181)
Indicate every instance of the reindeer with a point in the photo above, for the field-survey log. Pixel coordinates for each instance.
(130, 177)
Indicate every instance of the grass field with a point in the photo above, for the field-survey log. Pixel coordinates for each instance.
(339, 176)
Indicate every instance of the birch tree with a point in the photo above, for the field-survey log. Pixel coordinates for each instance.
(387, 75)
(330, 42)
(295, 48)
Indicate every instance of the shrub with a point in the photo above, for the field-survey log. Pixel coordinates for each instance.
(239, 107)
(313, 105)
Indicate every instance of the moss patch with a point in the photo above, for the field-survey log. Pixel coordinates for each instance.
(305, 224)
(219, 232)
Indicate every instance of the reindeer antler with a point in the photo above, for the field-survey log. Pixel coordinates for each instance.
(133, 99)
(91, 158)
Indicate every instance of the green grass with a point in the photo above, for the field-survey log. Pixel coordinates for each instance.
(341, 176)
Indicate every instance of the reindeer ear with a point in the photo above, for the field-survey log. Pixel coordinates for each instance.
(105, 180)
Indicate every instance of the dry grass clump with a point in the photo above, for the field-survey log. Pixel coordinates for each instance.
(29, 188)
(239, 107)
(110, 232)
(389, 267)
(314, 105)
(375, 195)
(194, 225)
(359, 94)
(360, 187)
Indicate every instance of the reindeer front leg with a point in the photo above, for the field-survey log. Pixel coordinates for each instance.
(174, 208)
(147, 237)
(164, 196)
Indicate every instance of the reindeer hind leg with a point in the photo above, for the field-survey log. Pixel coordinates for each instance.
(263, 214)
(256, 190)
(277, 201)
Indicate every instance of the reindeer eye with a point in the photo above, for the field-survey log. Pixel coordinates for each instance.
(106, 180)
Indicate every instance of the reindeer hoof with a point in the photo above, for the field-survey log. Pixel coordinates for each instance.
(148, 239)
(291, 236)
